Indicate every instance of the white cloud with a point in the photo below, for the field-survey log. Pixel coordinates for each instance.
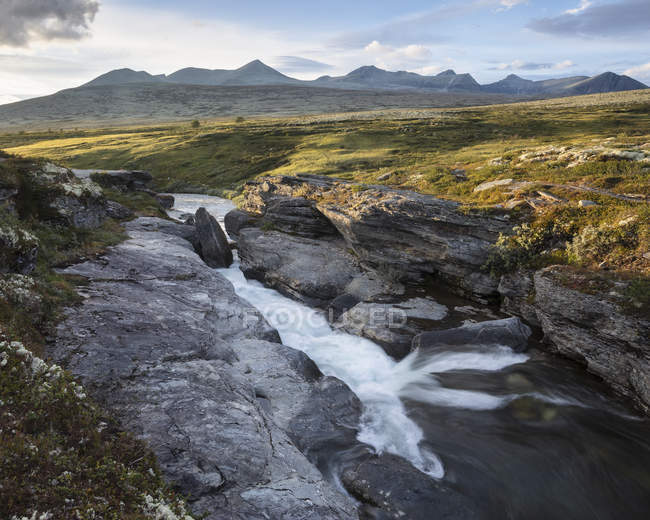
(8, 98)
(526, 65)
(566, 64)
(509, 4)
(584, 4)
(389, 57)
(641, 71)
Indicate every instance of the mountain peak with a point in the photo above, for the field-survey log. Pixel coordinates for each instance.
(448, 72)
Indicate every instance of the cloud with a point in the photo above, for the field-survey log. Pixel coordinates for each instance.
(8, 98)
(523, 65)
(290, 64)
(23, 21)
(509, 4)
(584, 4)
(625, 18)
(389, 57)
(642, 71)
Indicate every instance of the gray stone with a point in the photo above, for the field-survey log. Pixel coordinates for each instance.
(130, 180)
(117, 211)
(392, 326)
(403, 235)
(165, 200)
(312, 271)
(236, 220)
(213, 244)
(509, 332)
(393, 489)
(587, 203)
(517, 292)
(298, 216)
(594, 329)
(166, 345)
(493, 184)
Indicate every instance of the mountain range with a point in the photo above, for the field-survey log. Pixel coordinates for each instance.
(257, 73)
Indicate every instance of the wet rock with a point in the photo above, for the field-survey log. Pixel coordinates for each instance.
(213, 244)
(167, 227)
(236, 219)
(312, 271)
(517, 292)
(596, 330)
(392, 488)
(392, 326)
(509, 332)
(165, 344)
(401, 234)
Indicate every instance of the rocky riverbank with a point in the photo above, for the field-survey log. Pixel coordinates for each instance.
(353, 248)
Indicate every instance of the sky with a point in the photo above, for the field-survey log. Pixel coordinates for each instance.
(49, 45)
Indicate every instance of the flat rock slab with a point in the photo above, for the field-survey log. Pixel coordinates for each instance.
(168, 347)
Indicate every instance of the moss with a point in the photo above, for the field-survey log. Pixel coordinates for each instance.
(61, 455)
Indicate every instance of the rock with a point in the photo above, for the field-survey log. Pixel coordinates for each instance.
(509, 332)
(596, 330)
(298, 216)
(392, 326)
(460, 174)
(8, 199)
(165, 200)
(81, 212)
(213, 244)
(517, 292)
(404, 236)
(167, 227)
(587, 203)
(493, 184)
(393, 489)
(164, 343)
(117, 211)
(236, 220)
(125, 180)
(514, 203)
(385, 176)
(312, 271)
(550, 197)
(187, 218)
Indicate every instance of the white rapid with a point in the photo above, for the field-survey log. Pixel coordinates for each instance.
(378, 380)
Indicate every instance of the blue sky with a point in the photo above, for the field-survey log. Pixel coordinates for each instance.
(44, 48)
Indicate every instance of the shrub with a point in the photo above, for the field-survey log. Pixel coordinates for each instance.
(195, 124)
(605, 242)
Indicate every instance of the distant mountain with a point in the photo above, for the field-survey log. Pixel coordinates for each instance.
(124, 77)
(573, 86)
(371, 77)
(606, 82)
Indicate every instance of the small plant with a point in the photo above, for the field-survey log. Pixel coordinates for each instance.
(240, 119)
(195, 124)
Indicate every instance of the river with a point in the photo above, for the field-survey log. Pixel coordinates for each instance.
(527, 435)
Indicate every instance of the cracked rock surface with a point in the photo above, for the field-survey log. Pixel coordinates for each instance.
(168, 347)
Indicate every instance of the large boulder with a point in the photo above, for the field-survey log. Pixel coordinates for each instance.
(165, 344)
(236, 219)
(509, 332)
(603, 329)
(405, 234)
(18, 248)
(391, 488)
(517, 292)
(392, 325)
(124, 180)
(213, 245)
(312, 271)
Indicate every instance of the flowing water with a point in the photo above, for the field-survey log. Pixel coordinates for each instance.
(526, 435)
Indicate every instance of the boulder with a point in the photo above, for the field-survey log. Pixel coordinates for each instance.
(164, 343)
(391, 488)
(18, 249)
(117, 211)
(392, 326)
(165, 200)
(212, 241)
(312, 271)
(596, 329)
(236, 219)
(509, 332)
